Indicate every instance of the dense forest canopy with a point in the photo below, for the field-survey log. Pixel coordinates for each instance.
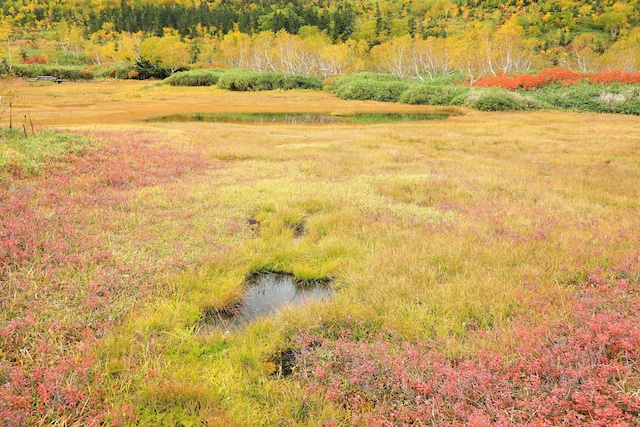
(371, 20)
(585, 35)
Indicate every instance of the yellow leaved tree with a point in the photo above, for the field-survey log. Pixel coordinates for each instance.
(471, 51)
(583, 54)
(234, 49)
(6, 33)
(510, 51)
(625, 53)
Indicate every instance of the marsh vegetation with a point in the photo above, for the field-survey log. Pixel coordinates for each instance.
(483, 269)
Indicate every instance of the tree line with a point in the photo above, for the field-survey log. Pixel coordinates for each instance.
(554, 22)
(408, 38)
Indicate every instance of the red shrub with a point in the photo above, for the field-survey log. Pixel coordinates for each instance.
(561, 76)
(36, 59)
(530, 81)
(603, 77)
(501, 80)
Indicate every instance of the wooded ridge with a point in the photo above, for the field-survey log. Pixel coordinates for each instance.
(405, 37)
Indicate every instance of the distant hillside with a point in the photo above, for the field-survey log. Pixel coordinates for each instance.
(556, 22)
(586, 35)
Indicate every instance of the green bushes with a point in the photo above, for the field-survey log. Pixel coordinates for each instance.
(588, 97)
(245, 81)
(66, 72)
(369, 86)
(435, 94)
(202, 77)
(390, 88)
(583, 97)
(382, 91)
(300, 81)
(494, 99)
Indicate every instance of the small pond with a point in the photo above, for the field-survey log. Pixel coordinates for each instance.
(302, 118)
(265, 293)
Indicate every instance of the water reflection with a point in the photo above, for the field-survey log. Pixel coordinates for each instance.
(264, 295)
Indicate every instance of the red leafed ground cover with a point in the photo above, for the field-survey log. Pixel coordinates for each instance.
(560, 76)
(583, 370)
(60, 288)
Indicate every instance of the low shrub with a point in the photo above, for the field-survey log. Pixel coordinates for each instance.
(301, 81)
(245, 81)
(555, 88)
(201, 77)
(66, 72)
(559, 76)
(584, 97)
(369, 86)
(614, 76)
(431, 94)
(117, 73)
(494, 99)
(381, 91)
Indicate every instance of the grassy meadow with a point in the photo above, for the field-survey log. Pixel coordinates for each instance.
(486, 266)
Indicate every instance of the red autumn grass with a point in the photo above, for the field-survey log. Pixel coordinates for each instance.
(583, 370)
(60, 288)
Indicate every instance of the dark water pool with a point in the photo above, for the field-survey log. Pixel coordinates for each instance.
(265, 293)
(301, 118)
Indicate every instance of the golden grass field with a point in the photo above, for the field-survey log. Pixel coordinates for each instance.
(455, 232)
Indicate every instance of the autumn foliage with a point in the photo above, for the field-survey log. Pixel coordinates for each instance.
(561, 76)
(486, 268)
(36, 59)
(579, 371)
(49, 324)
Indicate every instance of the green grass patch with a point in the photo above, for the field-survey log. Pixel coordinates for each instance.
(28, 155)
